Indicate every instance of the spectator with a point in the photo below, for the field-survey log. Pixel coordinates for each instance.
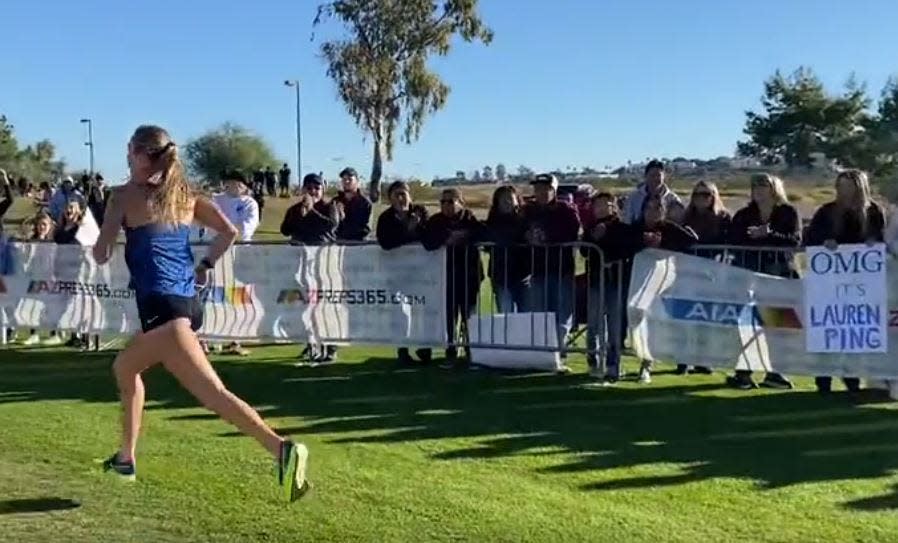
(42, 230)
(74, 218)
(608, 278)
(43, 195)
(353, 208)
(852, 218)
(654, 185)
(552, 223)
(84, 184)
(243, 212)
(401, 224)
(311, 221)
(583, 204)
(457, 229)
(659, 232)
(284, 181)
(270, 181)
(707, 216)
(24, 187)
(70, 222)
(258, 181)
(240, 208)
(710, 220)
(7, 198)
(97, 197)
(767, 221)
(509, 261)
(61, 197)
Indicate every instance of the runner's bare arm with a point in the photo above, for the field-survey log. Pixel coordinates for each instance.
(113, 220)
(208, 214)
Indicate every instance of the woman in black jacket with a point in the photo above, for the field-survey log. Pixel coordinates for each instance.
(852, 218)
(767, 221)
(401, 224)
(457, 229)
(509, 261)
(710, 220)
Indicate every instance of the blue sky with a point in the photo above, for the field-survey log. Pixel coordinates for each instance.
(573, 82)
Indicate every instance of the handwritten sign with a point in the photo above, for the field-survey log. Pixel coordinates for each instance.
(845, 299)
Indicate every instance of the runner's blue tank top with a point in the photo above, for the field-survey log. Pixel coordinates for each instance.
(160, 260)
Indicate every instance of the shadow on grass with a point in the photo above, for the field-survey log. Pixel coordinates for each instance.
(886, 502)
(36, 505)
(774, 438)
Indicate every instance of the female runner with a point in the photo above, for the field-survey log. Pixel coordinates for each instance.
(156, 208)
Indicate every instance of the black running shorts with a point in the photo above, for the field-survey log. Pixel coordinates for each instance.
(157, 309)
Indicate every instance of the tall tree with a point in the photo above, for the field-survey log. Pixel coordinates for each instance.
(487, 173)
(884, 132)
(381, 71)
(226, 147)
(792, 124)
(501, 172)
(525, 171)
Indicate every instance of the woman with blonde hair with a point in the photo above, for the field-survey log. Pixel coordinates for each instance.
(706, 215)
(710, 220)
(156, 208)
(769, 220)
(853, 217)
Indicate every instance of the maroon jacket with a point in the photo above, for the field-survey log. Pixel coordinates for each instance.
(559, 224)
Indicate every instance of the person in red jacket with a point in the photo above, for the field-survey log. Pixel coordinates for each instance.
(549, 225)
(457, 229)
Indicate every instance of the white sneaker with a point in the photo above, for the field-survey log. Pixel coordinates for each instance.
(645, 376)
(52, 341)
(33, 339)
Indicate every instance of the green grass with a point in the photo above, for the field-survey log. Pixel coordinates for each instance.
(429, 455)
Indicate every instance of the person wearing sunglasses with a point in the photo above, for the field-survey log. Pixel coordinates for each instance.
(710, 220)
(456, 228)
(769, 220)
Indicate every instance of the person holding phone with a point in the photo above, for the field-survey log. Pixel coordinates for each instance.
(769, 220)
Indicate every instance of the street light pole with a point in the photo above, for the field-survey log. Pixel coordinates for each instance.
(90, 141)
(295, 84)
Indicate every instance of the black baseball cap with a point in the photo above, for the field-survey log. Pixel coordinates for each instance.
(349, 172)
(312, 179)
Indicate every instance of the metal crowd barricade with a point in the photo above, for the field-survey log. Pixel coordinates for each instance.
(552, 288)
(783, 262)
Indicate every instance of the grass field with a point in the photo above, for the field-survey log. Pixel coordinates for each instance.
(430, 455)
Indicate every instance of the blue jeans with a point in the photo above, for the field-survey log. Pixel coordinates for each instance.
(511, 298)
(609, 313)
(555, 295)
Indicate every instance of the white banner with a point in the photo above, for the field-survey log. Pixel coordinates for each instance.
(353, 294)
(845, 293)
(697, 311)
